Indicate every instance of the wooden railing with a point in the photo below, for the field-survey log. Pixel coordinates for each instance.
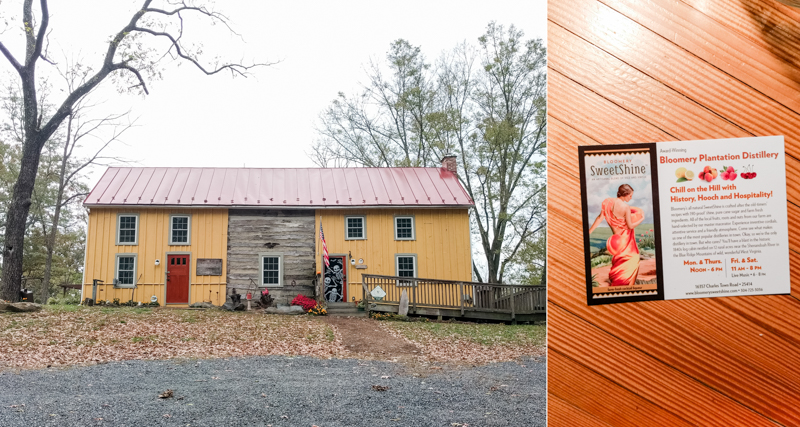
(454, 295)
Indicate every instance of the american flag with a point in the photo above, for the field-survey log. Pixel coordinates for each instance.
(324, 247)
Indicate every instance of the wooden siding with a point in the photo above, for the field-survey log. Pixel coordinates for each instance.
(442, 243)
(289, 233)
(625, 71)
(208, 240)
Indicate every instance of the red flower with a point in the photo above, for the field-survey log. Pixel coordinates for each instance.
(304, 301)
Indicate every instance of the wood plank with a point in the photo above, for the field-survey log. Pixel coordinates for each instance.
(612, 124)
(574, 100)
(718, 45)
(637, 92)
(740, 372)
(718, 92)
(286, 232)
(666, 387)
(629, 409)
(761, 23)
(634, 26)
(561, 413)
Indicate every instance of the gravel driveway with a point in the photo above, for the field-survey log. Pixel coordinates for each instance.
(275, 391)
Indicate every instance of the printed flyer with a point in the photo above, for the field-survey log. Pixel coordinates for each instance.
(686, 219)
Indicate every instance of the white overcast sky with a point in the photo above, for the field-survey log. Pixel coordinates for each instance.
(190, 119)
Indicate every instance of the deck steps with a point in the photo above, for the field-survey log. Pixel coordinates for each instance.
(344, 309)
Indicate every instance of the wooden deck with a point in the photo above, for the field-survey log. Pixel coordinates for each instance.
(625, 71)
(469, 300)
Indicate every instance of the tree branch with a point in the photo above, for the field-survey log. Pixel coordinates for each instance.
(37, 50)
(233, 68)
(14, 63)
(124, 66)
(477, 273)
(73, 197)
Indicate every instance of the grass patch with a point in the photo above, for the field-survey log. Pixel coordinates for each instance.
(138, 339)
(63, 308)
(485, 334)
(601, 261)
(190, 318)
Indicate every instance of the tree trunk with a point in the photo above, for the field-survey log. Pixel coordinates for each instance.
(544, 273)
(51, 243)
(16, 219)
(51, 239)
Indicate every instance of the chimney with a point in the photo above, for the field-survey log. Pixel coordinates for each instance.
(449, 163)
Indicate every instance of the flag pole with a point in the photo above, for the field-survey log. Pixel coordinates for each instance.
(321, 261)
(320, 288)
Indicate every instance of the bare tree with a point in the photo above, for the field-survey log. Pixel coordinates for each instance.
(504, 172)
(387, 123)
(71, 168)
(485, 105)
(130, 56)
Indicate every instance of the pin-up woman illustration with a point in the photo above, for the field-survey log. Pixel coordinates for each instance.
(622, 219)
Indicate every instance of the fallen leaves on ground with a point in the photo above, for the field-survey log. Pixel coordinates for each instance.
(471, 343)
(86, 335)
(380, 387)
(166, 395)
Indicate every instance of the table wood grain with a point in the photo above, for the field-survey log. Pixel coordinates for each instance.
(627, 71)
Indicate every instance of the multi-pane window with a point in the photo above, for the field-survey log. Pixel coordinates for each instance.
(126, 270)
(406, 267)
(271, 270)
(404, 228)
(179, 230)
(127, 229)
(355, 227)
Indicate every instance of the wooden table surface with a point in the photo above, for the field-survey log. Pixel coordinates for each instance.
(625, 71)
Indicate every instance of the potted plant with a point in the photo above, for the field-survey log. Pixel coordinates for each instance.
(360, 305)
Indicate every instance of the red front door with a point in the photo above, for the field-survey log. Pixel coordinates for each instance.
(178, 279)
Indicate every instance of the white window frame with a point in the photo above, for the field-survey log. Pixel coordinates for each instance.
(135, 270)
(363, 227)
(413, 227)
(402, 283)
(188, 230)
(261, 270)
(135, 232)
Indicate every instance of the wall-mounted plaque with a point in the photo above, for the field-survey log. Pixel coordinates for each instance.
(209, 267)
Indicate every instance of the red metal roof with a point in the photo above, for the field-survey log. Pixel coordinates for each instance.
(249, 187)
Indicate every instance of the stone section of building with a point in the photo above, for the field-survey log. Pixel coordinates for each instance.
(289, 233)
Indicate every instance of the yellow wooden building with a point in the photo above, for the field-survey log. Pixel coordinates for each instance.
(439, 249)
(149, 250)
(186, 235)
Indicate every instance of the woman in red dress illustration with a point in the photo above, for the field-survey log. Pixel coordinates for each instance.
(622, 219)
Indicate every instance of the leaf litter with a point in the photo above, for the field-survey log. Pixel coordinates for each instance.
(54, 337)
(91, 335)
